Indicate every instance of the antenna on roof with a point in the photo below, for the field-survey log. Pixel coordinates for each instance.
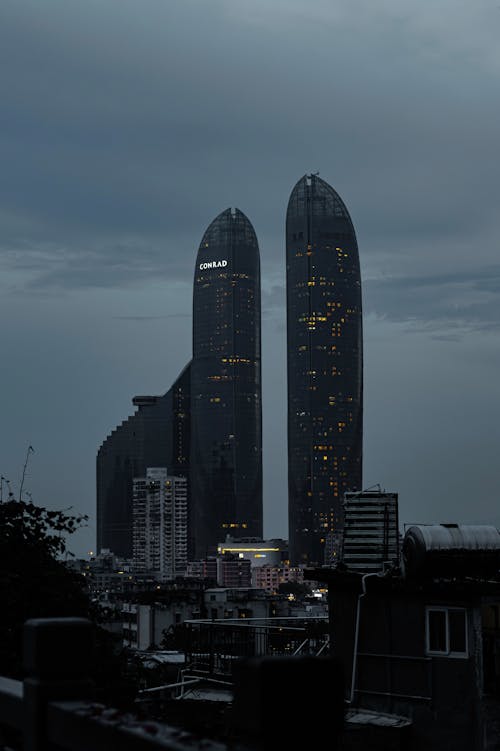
(30, 450)
(373, 487)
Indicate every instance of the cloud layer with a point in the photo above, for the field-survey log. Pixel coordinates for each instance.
(125, 131)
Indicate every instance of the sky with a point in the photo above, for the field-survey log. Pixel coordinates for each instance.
(126, 127)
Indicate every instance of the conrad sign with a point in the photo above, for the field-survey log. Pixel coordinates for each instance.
(212, 265)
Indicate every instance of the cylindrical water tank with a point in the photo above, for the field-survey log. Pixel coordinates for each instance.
(451, 550)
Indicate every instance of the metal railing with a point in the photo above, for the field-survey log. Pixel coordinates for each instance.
(213, 646)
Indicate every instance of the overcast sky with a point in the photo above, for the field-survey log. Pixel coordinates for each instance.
(126, 127)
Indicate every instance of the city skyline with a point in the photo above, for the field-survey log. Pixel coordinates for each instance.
(124, 134)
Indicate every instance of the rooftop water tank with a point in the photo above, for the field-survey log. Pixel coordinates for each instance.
(451, 551)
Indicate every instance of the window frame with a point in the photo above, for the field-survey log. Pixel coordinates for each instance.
(448, 653)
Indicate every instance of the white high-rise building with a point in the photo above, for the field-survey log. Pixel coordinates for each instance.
(160, 523)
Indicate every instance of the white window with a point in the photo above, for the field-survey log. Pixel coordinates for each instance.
(446, 631)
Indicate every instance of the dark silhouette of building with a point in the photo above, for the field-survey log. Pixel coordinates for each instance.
(325, 377)
(158, 434)
(226, 447)
(423, 644)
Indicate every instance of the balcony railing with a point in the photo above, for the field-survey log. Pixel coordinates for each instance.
(212, 647)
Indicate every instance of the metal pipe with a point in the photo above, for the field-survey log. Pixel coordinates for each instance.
(300, 647)
(356, 633)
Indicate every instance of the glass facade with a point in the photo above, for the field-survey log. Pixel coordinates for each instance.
(158, 434)
(325, 365)
(226, 445)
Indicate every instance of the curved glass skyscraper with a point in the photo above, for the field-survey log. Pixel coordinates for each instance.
(226, 431)
(325, 365)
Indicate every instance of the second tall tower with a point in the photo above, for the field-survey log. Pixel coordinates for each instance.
(325, 365)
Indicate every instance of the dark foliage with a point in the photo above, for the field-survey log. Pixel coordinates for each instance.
(35, 583)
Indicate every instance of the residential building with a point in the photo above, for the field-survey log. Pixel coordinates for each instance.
(371, 531)
(233, 571)
(205, 568)
(270, 577)
(147, 625)
(159, 529)
(239, 602)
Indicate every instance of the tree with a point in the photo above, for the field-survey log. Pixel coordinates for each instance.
(35, 583)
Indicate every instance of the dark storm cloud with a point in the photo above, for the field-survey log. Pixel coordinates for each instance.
(447, 305)
(460, 301)
(149, 122)
(151, 318)
(131, 262)
(273, 297)
(127, 127)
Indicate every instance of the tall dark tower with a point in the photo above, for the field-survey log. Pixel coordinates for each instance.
(226, 430)
(325, 365)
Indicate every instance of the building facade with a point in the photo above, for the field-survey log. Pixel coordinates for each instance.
(371, 531)
(159, 530)
(157, 435)
(270, 577)
(226, 428)
(233, 571)
(325, 365)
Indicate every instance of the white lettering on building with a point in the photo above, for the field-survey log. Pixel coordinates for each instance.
(212, 265)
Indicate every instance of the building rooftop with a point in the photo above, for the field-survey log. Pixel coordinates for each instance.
(397, 584)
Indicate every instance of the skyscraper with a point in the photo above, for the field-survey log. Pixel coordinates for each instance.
(226, 428)
(158, 434)
(325, 365)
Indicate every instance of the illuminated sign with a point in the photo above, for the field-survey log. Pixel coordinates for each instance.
(212, 265)
(224, 549)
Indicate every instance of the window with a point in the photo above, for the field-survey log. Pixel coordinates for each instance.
(446, 631)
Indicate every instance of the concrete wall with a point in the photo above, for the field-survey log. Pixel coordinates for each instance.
(442, 695)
